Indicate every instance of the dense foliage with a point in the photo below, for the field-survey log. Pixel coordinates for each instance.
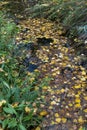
(19, 92)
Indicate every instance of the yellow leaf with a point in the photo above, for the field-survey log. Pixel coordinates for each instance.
(62, 90)
(83, 79)
(83, 72)
(53, 103)
(81, 128)
(85, 97)
(77, 100)
(85, 110)
(58, 120)
(45, 87)
(2, 102)
(52, 122)
(80, 120)
(60, 32)
(15, 104)
(70, 104)
(77, 86)
(43, 113)
(50, 107)
(38, 128)
(54, 74)
(77, 95)
(36, 88)
(27, 109)
(43, 29)
(56, 115)
(78, 105)
(64, 120)
(75, 120)
(66, 58)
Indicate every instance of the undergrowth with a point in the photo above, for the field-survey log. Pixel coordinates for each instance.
(70, 13)
(20, 95)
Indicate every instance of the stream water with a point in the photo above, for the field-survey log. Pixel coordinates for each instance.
(28, 51)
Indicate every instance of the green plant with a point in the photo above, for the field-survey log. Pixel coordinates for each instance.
(20, 95)
(70, 13)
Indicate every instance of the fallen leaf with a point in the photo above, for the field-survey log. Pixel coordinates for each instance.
(27, 109)
(78, 105)
(58, 120)
(53, 103)
(80, 120)
(85, 110)
(38, 128)
(77, 100)
(56, 115)
(43, 113)
(77, 86)
(85, 97)
(83, 72)
(64, 120)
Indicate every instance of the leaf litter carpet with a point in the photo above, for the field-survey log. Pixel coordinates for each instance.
(66, 95)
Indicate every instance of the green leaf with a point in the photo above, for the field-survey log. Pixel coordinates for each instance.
(5, 123)
(29, 117)
(6, 84)
(9, 110)
(21, 127)
(12, 123)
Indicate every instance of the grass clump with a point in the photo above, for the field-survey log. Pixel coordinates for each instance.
(20, 95)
